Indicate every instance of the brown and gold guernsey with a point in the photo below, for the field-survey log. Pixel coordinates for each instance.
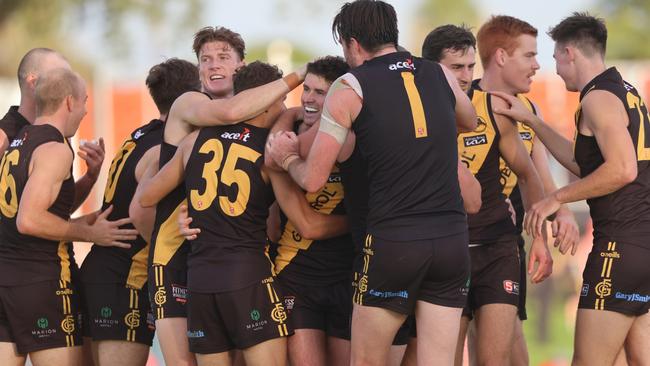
(405, 133)
(229, 201)
(355, 182)
(479, 151)
(27, 259)
(624, 214)
(166, 240)
(317, 262)
(168, 247)
(13, 122)
(119, 265)
(508, 178)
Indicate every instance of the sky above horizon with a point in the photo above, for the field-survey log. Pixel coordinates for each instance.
(305, 24)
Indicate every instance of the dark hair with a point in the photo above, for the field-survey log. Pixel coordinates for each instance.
(168, 80)
(328, 67)
(501, 31)
(447, 37)
(586, 32)
(372, 23)
(215, 34)
(255, 74)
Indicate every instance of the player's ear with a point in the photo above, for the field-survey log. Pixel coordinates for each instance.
(31, 79)
(69, 100)
(355, 44)
(500, 56)
(570, 52)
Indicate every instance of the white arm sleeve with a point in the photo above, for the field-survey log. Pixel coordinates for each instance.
(328, 124)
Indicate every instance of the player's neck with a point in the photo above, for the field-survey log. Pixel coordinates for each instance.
(57, 120)
(588, 70)
(27, 108)
(381, 52)
(492, 81)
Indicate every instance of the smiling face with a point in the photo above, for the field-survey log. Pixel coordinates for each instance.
(313, 97)
(218, 62)
(520, 66)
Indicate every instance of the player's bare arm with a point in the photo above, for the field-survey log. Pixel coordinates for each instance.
(514, 152)
(4, 142)
(287, 119)
(470, 189)
(45, 179)
(605, 117)
(558, 145)
(144, 217)
(198, 110)
(93, 154)
(309, 223)
(170, 175)
(342, 107)
(564, 228)
(465, 112)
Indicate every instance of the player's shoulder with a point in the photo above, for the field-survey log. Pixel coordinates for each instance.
(187, 100)
(153, 126)
(598, 99)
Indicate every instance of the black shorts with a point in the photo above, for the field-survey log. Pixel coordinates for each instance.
(523, 263)
(327, 308)
(496, 275)
(115, 312)
(616, 278)
(394, 275)
(218, 322)
(405, 332)
(40, 316)
(168, 291)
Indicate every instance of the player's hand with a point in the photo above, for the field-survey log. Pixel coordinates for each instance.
(540, 254)
(108, 233)
(184, 222)
(280, 146)
(537, 214)
(566, 232)
(301, 72)
(516, 111)
(511, 209)
(93, 154)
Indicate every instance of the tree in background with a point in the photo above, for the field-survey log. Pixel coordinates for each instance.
(25, 24)
(628, 23)
(434, 13)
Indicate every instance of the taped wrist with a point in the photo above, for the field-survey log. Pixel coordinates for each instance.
(288, 160)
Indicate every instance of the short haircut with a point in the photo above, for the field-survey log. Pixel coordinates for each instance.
(32, 63)
(168, 80)
(501, 31)
(447, 37)
(255, 74)
(216, 34)
(586, 32)
(329, 68)
(372, 23)
(53, 87)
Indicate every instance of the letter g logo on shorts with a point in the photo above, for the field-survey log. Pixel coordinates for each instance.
(67, 324)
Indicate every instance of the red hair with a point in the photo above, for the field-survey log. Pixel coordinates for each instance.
(501, 31)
